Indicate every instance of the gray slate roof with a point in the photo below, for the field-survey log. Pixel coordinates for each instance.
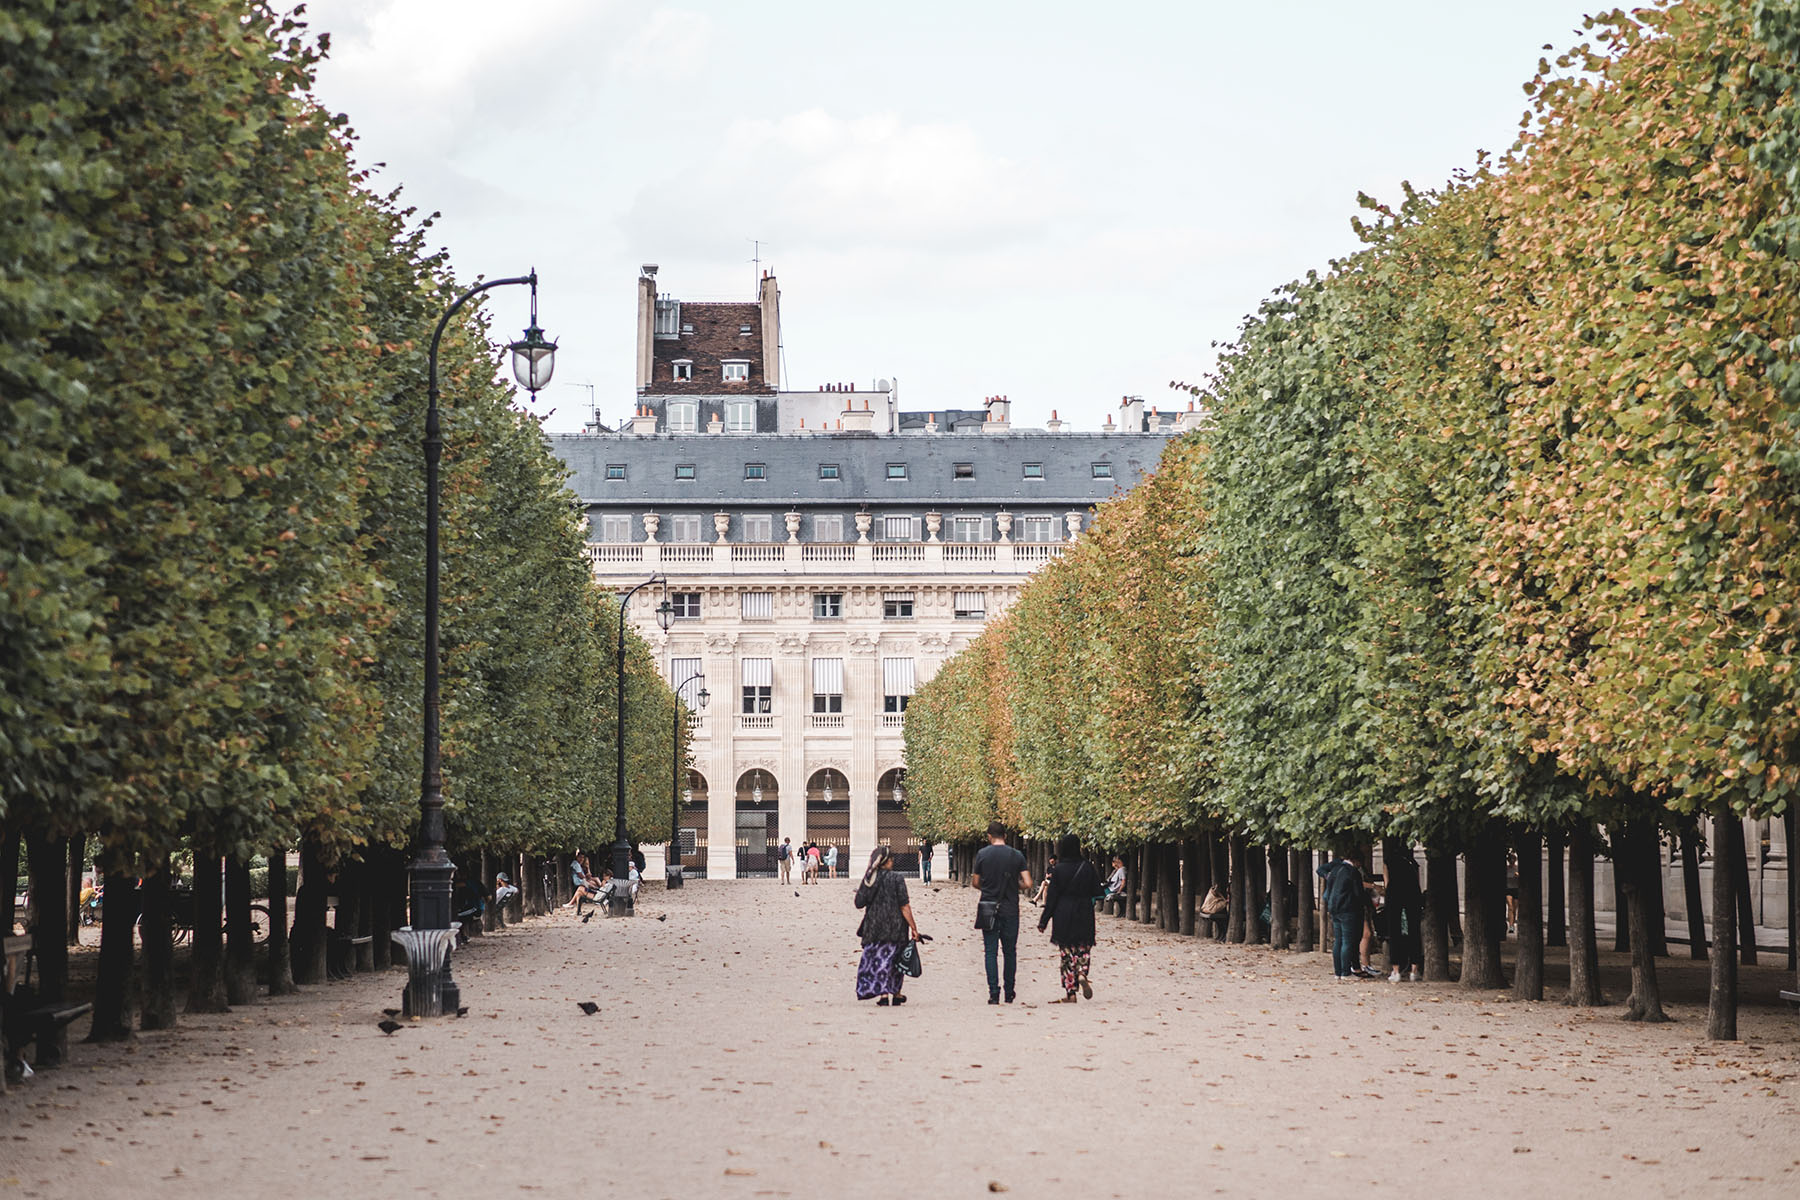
(791, 466)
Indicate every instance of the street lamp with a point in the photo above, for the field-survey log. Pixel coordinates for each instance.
(620, 896)
(665, 617)
(430, 990)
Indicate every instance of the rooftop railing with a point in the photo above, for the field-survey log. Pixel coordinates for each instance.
(830, 559)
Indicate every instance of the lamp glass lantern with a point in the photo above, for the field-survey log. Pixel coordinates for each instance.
(533, 356)
(665, 615)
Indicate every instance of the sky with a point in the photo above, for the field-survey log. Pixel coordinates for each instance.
(1062, 203)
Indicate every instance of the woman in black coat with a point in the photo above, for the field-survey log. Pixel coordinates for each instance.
(1069, 915)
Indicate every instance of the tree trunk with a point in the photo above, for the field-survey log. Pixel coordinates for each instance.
(1306, 935)
(1690, 886)
(1528, 972)
(9, 874)
(1621, 926)
(1435, 920)
(1656, 904)
(281, 970)
(1793, 875)
(1236, 926)
(157, 1008)
(307, 948)
(1278, 901)
(49, 940)
(1739, 858)
(1636, 854)
(206, 977)
(1168, 890)
(1722, 992)
(381, 908)
(1556, 922)
(1484, 919)
(1256, 864)
(1584, 947)
(1219, 855)
(1190, 875)
(113, 983)
(72, 894)
(240, 948)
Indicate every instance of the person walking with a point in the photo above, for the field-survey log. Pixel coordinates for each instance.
(887, 925)
(784, 859)
(1069, 893)
(831, 861)
(815, 861)
(925, 861)
(1342, 899)
(1000, 874)
(1405, 909)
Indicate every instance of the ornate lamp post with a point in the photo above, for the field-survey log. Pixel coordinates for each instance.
(665, 616)
(430, 990)
(619, 897)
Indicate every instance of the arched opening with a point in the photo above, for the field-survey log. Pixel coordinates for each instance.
(893, 828)
(828, 813)
(693, 826)
(758, 823)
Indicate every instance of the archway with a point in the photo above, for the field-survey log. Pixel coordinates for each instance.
(828, 813)
(693, 826)
(893, 828)
(758, 823)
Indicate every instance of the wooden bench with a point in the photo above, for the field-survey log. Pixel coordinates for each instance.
(26, 1018)
(1792, 998)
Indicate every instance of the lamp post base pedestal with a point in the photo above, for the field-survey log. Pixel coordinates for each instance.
(672, 879)
(430, 990)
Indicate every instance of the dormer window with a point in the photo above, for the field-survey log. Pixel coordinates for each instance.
(963, 471)
(1103, 470)
(687, 329)
(740, 416)
(615, 470)
(756, 471)
(1034, 470)
(743, 329)
(684, 415)
(737, 370)
(681, 369)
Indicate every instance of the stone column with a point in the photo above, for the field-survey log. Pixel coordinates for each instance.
(717, 761)
(793, 700)
(862, 687)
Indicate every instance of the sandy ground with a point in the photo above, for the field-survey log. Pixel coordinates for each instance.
(729, 1059)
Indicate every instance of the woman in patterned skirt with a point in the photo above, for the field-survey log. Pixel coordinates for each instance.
(887, 925)
(1069, 914)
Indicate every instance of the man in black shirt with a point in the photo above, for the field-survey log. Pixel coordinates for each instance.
(1001, 875)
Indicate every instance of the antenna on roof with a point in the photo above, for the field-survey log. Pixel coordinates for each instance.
(593, 424)
(755, 266)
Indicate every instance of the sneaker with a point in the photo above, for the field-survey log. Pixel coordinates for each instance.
(1415, 977)
(994, 999)
(1394, 976)
(1010, 997)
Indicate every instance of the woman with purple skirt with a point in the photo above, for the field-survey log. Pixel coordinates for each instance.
(887, 926)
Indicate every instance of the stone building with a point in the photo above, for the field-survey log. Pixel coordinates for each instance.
(825, 552)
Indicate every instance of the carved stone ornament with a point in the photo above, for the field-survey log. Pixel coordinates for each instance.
(793, 525)
(933, 523)
(652, 522)
(1003, 525)
(721, 524)
(863, 521)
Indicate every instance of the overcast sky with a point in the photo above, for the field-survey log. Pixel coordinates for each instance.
(1060, 202)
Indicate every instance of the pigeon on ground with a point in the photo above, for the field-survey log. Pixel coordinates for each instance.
(587, 918)
(390, 1013)
(662, 916)
(388, 1027)
(588, 1007)
(463, 1011)
(796, 893)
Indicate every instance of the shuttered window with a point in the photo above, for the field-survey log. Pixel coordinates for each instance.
(971, 604)
(759, 606)
(759, 685)
(682, 673)
(828, 685)
(896, 684)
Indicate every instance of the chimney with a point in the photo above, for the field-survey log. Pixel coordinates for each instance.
(931, 425)
(1131, 414)
(1053, 424)
(646, 324)
(1109, 427)
(1187, 420)
(768, 300)
(999, 415)
(643, 420)
(861, 420)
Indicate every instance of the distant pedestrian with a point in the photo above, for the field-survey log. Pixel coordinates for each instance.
(784, 859)
(504, 891)
(1001, 875)
(815, 861)
(1341, 896)
(1512, 892)
(1405, 909)
(831, 862)
(925, 861)
(887, 925)
(1069, 893)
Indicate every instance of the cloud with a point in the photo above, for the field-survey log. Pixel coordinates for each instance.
(668, 44)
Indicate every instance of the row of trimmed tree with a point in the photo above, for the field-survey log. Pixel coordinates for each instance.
(1492, 534)
(212, 353)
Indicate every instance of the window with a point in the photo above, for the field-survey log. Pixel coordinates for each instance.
(963, 471)
(897, 529)
(758, 606)
(1037, 529)
(896, 684)
(684, 470)
(759, 685)
(743, 329)
(828, 470)
(897, 606)
(740, 416)
(668, 318)
(737, 371)
(615, 529)
(615, 470)
(828, 605)
(828, 685)
(684, 527)
(687, 608)
(1102, 470)
(684, 417)
(896, 471)
(682, 673)
(755, 471)
(687, 327)
(759, 527)
(828, 529)
(681, 369)
(1034, 470)
(968, 529)
(971, 605)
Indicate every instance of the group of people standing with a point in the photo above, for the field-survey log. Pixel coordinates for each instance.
(1360, 906)
(1070, 894)
(809, 858)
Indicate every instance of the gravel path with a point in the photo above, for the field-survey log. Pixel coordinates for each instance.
(728, 1059)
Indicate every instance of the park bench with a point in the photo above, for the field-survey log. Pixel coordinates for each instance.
(27, 1019)
(1792, 998)
(342, 962)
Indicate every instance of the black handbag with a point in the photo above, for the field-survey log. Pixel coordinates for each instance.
(986, 913)
(911, 963)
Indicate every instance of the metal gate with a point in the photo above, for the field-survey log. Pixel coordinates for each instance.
(693, 827)
(893, 828)
(828, 814)
(758, 825)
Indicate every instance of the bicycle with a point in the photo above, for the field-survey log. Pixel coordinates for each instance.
(181, 917)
